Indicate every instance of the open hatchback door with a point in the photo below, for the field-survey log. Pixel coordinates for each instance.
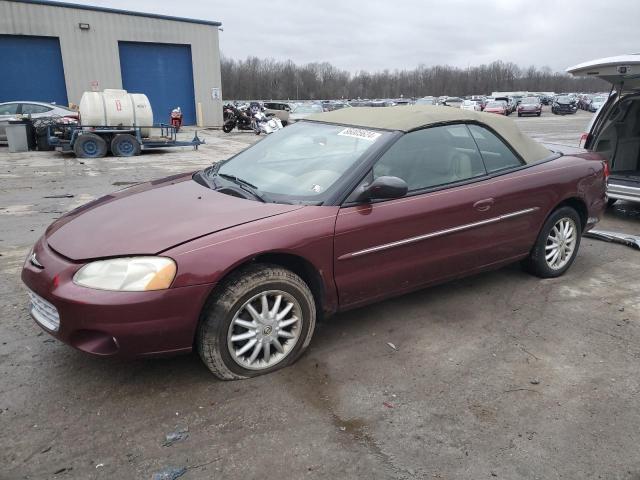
(622, 71)
(614, 131)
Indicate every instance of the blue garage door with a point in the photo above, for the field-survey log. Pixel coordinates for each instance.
(164, 73)
(31, 69)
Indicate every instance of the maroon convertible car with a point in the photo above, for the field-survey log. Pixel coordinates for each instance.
(343, 209)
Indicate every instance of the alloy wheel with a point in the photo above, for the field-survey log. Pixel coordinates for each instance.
(264, 330)
(561, 243)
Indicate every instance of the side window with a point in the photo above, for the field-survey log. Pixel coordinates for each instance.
(496, 155)
(432, 157)
(9, 109)
(30, 109)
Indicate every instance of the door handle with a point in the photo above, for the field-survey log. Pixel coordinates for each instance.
(483, 205)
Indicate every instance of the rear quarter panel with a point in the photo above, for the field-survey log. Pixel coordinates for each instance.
(579, 175)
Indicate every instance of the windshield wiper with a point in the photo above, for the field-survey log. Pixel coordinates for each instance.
(243, 184)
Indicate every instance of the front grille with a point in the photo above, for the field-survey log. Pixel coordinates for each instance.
(44, 313)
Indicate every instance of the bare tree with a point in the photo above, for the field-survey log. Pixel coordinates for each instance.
(255, 78)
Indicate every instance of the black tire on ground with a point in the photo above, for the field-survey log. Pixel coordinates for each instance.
(90, 145)
(125, 145)
(536, 262)
(230, 297)
(539, 113)
(611, 202)
(228, 126)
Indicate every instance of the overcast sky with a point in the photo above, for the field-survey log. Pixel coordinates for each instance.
(375, 35)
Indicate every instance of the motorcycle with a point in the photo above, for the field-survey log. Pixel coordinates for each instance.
(236, 118)
(266, 123)
(250, 119)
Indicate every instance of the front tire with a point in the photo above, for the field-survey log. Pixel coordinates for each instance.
(260, 319)
(557, 244)
(90, 145)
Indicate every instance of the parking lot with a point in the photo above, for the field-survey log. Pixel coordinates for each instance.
(501, 375)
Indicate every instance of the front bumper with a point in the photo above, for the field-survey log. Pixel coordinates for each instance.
(563, 109)
(529, 111)
(109, 323)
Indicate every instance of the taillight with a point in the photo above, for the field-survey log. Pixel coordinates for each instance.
(584, 138)
(605, 170)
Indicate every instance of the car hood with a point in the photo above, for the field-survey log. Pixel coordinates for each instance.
(151, 217)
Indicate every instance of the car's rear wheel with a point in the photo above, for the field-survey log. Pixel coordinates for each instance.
(557, 244)
(260, 320)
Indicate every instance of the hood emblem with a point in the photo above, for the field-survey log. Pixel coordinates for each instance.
(34, 261)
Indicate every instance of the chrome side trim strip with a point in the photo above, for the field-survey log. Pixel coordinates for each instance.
(438, 233)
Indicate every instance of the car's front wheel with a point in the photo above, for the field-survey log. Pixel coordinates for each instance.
(260, 319)
(557, 244)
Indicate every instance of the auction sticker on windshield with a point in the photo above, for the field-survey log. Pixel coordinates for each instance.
(360, 133)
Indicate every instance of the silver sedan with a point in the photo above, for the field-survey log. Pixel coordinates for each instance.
(10, 110)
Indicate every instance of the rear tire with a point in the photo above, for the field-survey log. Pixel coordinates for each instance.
(557, 244)
(611, 202)
(90, 145)
(220, 333)
(125, 145)
(228, 126)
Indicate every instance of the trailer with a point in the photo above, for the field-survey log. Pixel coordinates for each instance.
(122, 141)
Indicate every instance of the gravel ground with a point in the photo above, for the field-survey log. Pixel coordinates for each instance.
(500, 375)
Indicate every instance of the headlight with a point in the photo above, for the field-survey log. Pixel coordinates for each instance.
(129, 274)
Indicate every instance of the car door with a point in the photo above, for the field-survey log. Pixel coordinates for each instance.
(35, 110)
(7, 111)
(439, 230)
(520, 197)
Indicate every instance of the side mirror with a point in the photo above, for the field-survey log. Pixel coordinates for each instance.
(383, 187)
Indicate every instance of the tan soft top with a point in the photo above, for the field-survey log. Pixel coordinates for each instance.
(407, 118)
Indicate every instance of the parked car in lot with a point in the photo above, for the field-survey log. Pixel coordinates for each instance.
(614, 132)
(279, 109)
(471, 105)
(510, 104)
(530, 106)
(455, 102)
(9, 110)
(563, 105)
(499, 107)
(303, 110)
(427, 101)
(596, 102)
(337, 211)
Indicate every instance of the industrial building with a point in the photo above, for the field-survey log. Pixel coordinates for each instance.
(53, 52)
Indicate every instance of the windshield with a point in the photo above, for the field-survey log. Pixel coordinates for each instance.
(469, 102)
(495, 105)
(599, 99)
(529, 100)
(301, 163)
(425, 101)
(314, 108)
(564, 100)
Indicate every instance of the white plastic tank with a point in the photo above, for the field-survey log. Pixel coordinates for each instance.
(114, 108)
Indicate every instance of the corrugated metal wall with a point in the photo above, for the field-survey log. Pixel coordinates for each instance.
(91, 56)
